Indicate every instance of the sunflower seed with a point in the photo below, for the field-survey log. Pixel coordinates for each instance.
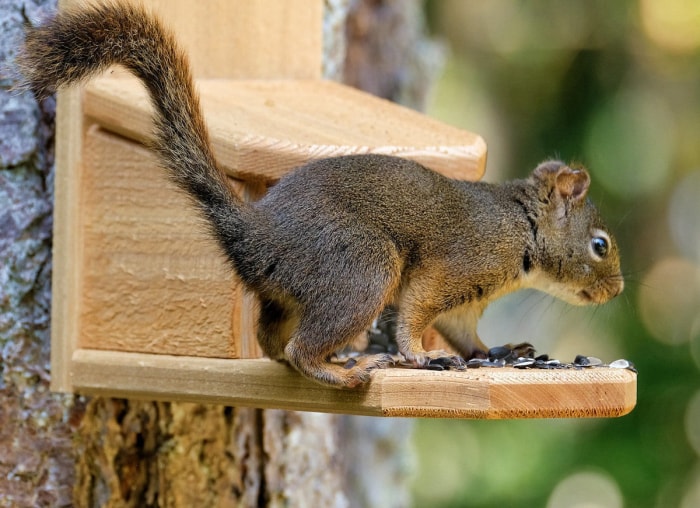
(523, 363)
(582, 361)
(499, 353)
(475, 363)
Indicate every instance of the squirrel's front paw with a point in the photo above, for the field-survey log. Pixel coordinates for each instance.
(437, 358)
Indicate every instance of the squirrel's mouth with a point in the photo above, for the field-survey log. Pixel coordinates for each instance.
(586, 296)
(600, 295)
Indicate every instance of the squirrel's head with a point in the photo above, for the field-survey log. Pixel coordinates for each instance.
(578, 258)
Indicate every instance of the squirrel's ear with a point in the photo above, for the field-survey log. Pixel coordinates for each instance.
(573, 183)
(569, 183)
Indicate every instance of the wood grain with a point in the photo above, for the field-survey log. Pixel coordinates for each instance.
(152, 278)
(67, 238)
(479, 393)
(244, 39)
(260, 130)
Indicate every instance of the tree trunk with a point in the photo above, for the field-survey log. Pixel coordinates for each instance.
(61, 450)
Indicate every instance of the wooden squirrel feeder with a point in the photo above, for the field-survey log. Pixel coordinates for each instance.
(144, 305)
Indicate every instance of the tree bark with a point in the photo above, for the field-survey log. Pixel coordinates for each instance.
(61, 450)
(36, 461)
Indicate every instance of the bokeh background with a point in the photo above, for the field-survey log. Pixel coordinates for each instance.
(616, 86)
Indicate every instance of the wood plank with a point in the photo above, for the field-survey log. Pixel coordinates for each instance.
(226, 38)
(260, 130)
(152, 279)
(479, 393)
(229, 36)
(67, 239)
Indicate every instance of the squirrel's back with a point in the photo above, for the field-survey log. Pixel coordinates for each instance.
(398, 196)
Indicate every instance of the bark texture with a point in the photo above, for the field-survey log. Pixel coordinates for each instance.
(62, 450)
(36, 459)
(388, 53)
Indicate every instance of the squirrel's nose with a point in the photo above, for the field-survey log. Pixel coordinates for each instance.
(620, 286)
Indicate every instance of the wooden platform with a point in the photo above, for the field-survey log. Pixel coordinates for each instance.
(486, 393)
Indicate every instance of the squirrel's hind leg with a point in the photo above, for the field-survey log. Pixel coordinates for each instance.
(347, 290)
(328, 373)
(331, 323)
(312, 345)
(278, 340)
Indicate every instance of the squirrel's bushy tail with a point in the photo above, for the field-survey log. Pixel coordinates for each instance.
(79, 43)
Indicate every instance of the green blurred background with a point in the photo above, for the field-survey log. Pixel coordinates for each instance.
(614, 85)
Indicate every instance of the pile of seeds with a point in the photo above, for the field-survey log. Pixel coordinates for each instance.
(381, 339)
(523, 356)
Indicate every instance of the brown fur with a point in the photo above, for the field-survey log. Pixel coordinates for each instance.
(337, 240)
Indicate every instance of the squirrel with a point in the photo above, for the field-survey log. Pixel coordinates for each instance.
(337, 240)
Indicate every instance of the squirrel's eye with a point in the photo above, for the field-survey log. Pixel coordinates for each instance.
(600, 246)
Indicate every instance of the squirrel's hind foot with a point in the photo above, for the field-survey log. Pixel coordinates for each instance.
(354, 373)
